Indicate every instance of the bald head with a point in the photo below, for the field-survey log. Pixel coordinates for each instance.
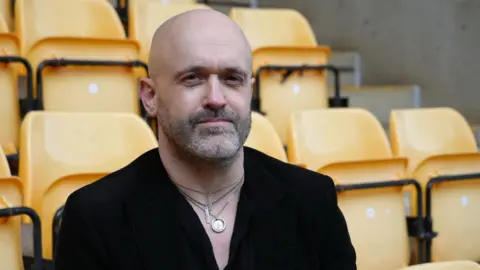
(200, 85)
(180, 32)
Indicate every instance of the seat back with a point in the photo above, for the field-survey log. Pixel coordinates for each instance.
(10, 233)
(438, 141)
(57, 144)
(9, 105)
(6, 14)
(374, 218)
(324, 136)
(264, 138)
(147, 16)
(420, 133)
(350, 146)
(91, 89)
(84, 18)
(80, 30)
(54, 198)
(266, 27)
(4, 167)
(281, 96)
(454, 205)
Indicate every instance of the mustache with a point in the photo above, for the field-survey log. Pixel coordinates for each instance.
(203, 115)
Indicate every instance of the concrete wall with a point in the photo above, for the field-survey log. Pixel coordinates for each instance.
(432, 43)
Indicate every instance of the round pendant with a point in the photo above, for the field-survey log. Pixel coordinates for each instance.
(218, 225)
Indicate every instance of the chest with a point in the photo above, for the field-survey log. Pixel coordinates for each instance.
(273, 237)
(219, 229)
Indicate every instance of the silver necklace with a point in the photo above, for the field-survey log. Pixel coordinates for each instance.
(210, 193)
(218, 224)
(209, 204)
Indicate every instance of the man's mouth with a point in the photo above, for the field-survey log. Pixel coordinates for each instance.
(214, 120)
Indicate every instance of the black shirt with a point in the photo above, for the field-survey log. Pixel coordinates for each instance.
(135, 218)
(198, 243)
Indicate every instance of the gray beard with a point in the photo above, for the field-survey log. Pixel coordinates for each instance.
(193, 144)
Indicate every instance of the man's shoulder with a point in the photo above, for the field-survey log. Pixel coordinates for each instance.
(295, 178)
(113, 187)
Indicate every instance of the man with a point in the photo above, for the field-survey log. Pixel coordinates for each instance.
(202, 200)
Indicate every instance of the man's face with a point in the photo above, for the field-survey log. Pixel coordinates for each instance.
(203, 95)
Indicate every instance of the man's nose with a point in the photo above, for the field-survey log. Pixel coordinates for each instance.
(215, 97)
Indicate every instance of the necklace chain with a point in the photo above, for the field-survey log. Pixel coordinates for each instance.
(218, 225)
(210, 203)
(207, 193)
(208, 206)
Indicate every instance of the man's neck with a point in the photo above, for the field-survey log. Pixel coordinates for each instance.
(205, 176)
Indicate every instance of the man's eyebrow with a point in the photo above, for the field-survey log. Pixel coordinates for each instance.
(236, 70)
(200, 69)
(189, 69)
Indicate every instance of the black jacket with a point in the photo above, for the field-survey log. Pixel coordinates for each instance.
(130, 220)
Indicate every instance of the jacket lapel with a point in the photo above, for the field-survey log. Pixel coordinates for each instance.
(153, 215)
(272, 225)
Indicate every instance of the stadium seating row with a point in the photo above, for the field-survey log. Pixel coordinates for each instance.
(348, 145)
(431, 146)
(81, 59)
(64, 151)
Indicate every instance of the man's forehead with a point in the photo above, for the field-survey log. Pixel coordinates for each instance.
(212, 65)
(214, 43)
(210, 54)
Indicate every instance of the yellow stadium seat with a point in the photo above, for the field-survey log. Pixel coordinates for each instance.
(451, 265)
(10, 232)
(4, 167)
(278, 95)
(299, 91)
(9, 100)
(147, 15)
(439, 142)
(421, 133)
(270, 27)
(264, 138)
(351, 146)
(63, 151)
(6, 14)
(84, 31)
(326, 136)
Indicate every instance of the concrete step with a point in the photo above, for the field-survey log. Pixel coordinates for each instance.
(381, 99)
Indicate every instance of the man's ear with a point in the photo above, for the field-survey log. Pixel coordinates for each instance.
(148, 96)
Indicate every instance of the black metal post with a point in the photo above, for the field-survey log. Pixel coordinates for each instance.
(55, 227)
(124, 15)
(28, 68)
(428, 202)
(37, 231)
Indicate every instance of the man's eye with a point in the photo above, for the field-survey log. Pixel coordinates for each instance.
(233, 79)
(191, 79)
